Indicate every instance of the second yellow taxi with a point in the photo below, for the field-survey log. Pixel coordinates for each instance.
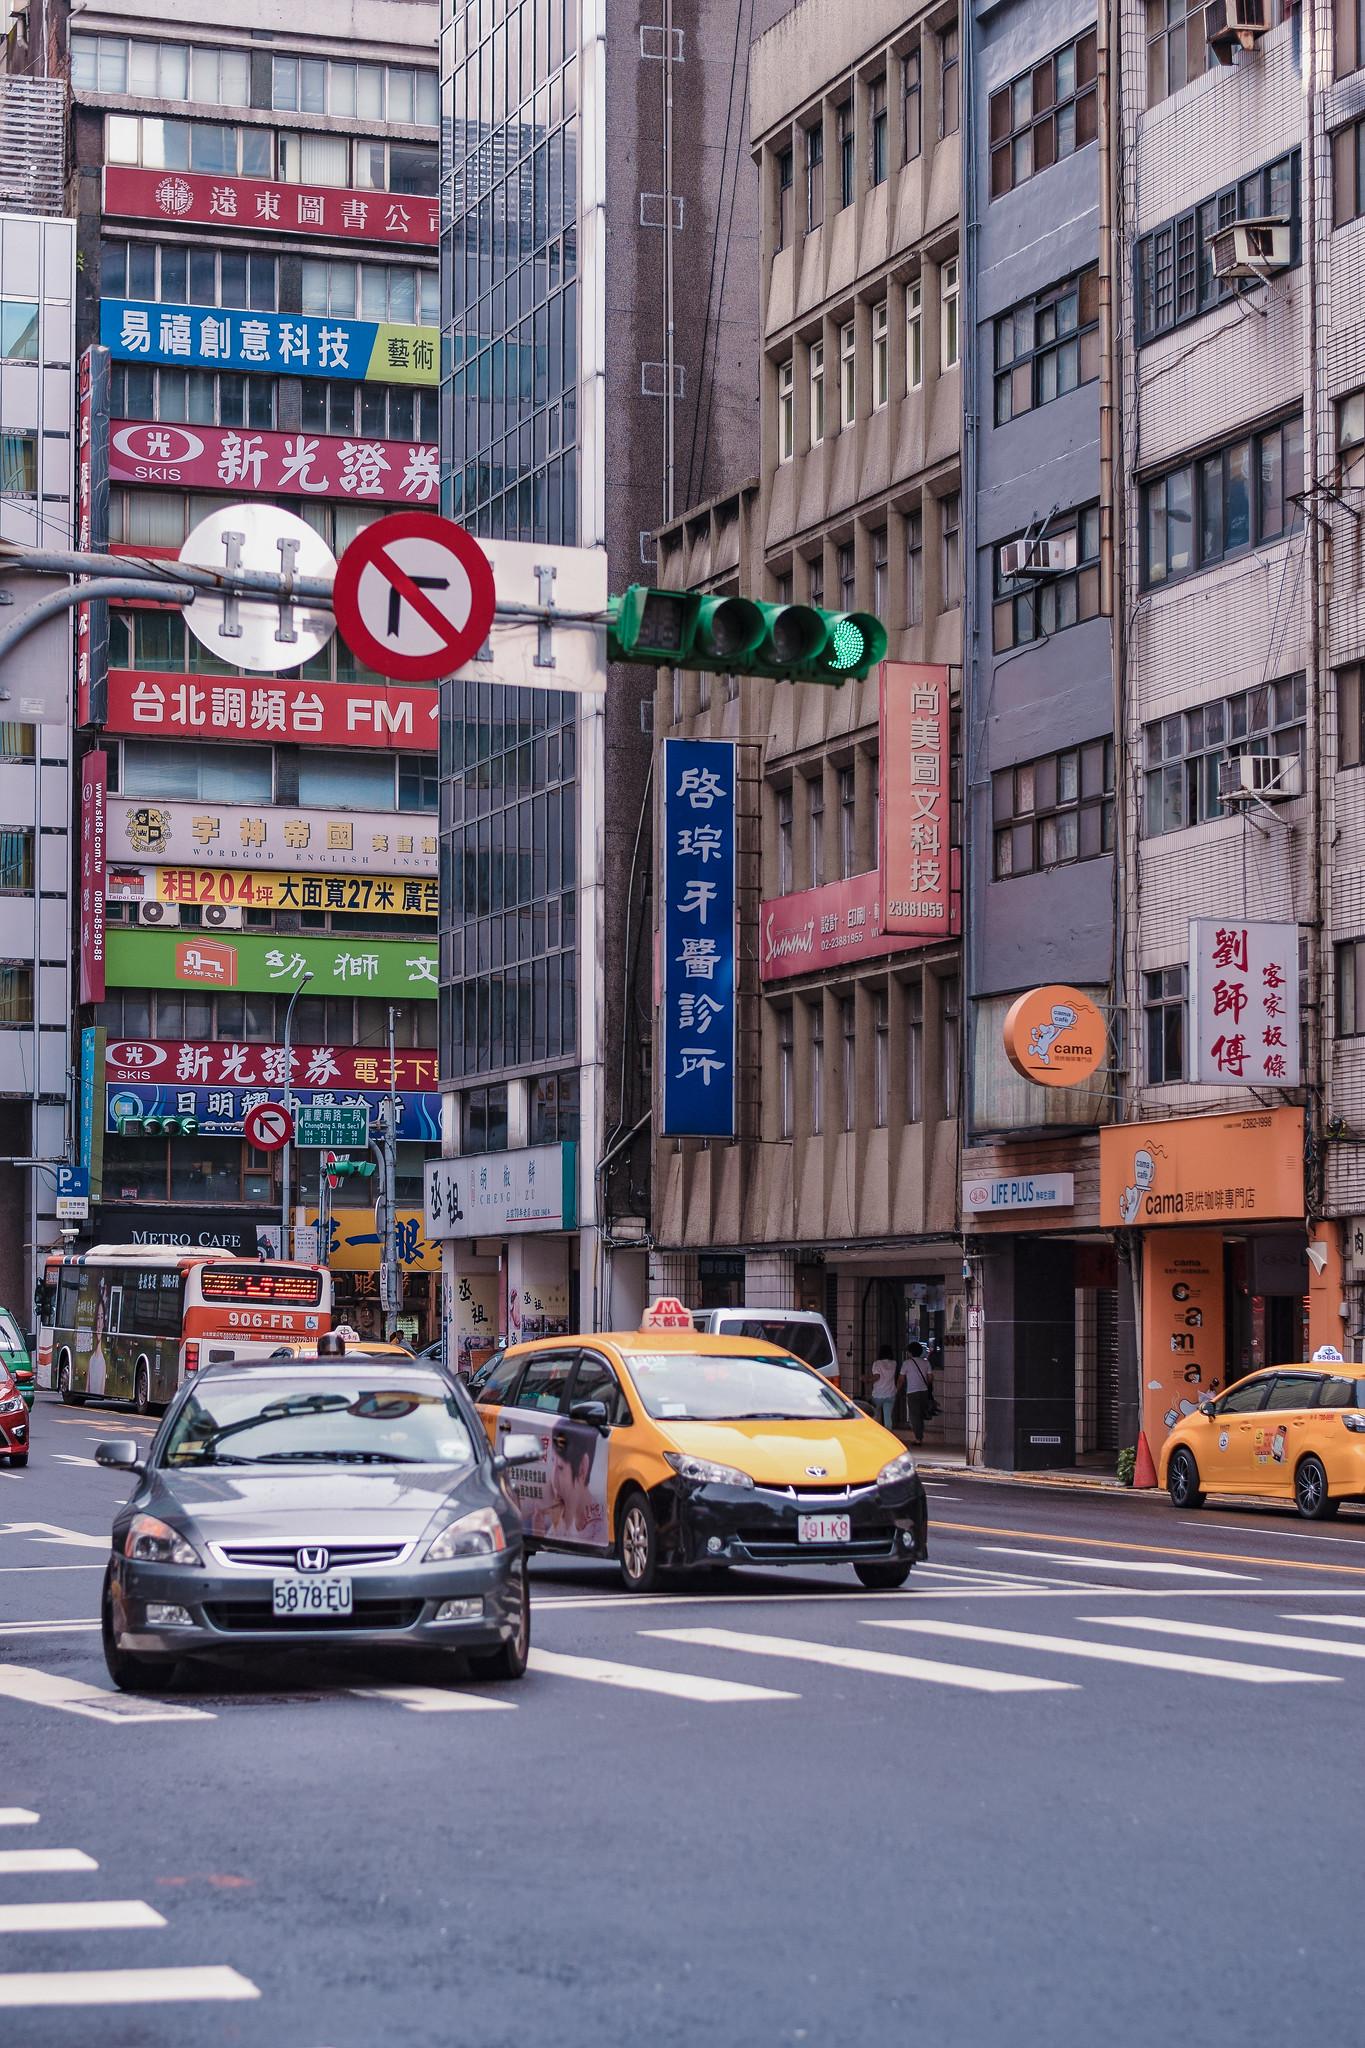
(1290, 1432)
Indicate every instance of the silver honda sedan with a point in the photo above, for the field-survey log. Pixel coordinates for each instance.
(343, 1502)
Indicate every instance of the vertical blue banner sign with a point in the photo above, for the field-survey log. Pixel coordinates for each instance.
(697, 893)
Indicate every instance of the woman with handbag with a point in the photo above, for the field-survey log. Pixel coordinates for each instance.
(917, 1377)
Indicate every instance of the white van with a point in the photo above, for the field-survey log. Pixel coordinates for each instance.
(798, 1330)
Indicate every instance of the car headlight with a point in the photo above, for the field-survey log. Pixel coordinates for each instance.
(475, 1535)
(151, 1541)
(701, 1471)
(900, 1468)
(12, 1405)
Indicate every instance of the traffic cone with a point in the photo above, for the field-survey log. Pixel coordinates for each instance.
(1144, 1471)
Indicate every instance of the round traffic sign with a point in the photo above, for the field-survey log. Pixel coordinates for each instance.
(414, 597)
(268, 1126)
(258, 633)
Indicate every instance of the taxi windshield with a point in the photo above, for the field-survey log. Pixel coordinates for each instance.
(697, 1386)
(333, 1422)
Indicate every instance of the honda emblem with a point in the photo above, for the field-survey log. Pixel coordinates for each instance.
(313, 1560)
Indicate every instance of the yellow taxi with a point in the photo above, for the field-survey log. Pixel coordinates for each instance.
(1289, 1432)
(664, 1448)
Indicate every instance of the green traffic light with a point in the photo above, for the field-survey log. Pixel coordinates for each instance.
(795, 643)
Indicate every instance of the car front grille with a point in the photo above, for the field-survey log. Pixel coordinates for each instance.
(254, 1617)
(809, 1495)
(283, 1557)
(772, 1543)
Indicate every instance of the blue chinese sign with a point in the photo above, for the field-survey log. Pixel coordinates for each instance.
(90, 1152)
(299, 344)
(218, 1112)
(697, 893)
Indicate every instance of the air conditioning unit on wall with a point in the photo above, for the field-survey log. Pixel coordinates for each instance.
(1228, 23)
(223, 916)
(1038, 557)
(158, 913)
(1271, 777)
(1251, 248)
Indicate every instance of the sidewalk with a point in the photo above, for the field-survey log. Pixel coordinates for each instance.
(953, 1464)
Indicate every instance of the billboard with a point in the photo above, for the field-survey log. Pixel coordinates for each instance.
(92, 528)
(241, 836)
(262, 962)
(94, 841)
(228, 1064)
(698, 901)
(216, 889)
(381, 219)
(218, 1112)
(281, 465)
(915, 810)
(389, 715)
(276, 344)
(1244, 1003)
(1230, 1170)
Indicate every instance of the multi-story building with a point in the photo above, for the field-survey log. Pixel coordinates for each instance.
(837, 1189)
(256, 224)
(1040, 796)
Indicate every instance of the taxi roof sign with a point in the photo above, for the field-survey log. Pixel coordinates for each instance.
(666, 1314)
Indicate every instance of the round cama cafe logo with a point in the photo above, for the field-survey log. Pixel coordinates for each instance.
(174, 196)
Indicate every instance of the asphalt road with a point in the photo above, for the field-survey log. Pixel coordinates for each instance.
(1091, 1779)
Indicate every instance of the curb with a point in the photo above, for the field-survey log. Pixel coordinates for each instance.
(1066, 1482)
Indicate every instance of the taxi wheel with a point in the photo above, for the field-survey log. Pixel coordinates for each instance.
(142, 1389)
(881, 1578)
(510, 1659)
(1311, 1497)
(637, 1544)
(130, 1673)
(1182, 1481)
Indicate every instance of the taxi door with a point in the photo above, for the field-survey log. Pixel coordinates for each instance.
(580, 1457)
(534, 1409)
(1235, 1427)
(1284, 1430)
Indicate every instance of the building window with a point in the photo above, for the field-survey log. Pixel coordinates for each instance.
(1351, 439)
(198, 398)
(1176, 47)
(815, 828)
(877, 538)
(1348, 173)
(952, 1042)
(785, 867)
(1348, 35)
(914, 568)
(16, 863)
(1350, 966)
(815, 176)
(554, 1109)
(848, 582)
(484, 1120)
(222, 78)
(881, 1056)
(1175, 280)
(914, 335)
(914, 1052)
(18, 742)
(1164, 995)
(1044, 114)
(817, 1067)
(183, 275)
(848, 824)
(848, 378)
(785, 1088)
(18, 465)
(1350, 716)
(1184, 752)
(876, 121)
(1031, 608)
(378, 410)
(881, 356)
(949, 329)
(949, 82)
(18, 330)
(849, 1062)
(912, 107)
(843, 122)
(784, 198)
(815, 580)
(397, 292)
(1219, 505)
(1054, 810)
(16, 994)
(1047, 346)
(817, 393)
(950, 536)
(786, 411)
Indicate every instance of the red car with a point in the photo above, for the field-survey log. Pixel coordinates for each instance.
(13, 1421)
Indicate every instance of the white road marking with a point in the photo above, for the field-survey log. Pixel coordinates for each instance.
(73, 1696)
(1334, 1620)
(430, 1699)
(70, 1458)
(13, 1570)
(53, 1532)
(884, 1663)
(679, 1685)
(16, 1817)
(45, 1628)
(36, 1862)
(1278, 1533)
(123, 1987)
(78, 1916)
(1258, 1638)
(1110, 1653)
(1111, 1564)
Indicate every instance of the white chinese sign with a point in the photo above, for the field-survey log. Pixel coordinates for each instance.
(1244, 1003)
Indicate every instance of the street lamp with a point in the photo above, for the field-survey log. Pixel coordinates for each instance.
(304, 980)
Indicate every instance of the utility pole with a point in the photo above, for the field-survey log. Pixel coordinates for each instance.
(289, 1111)
(392, 1283)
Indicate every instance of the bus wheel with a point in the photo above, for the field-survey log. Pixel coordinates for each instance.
(64, 1386)
(142, 1388)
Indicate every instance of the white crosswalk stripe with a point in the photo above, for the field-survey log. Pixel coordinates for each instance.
(679, 1685)
(1112, 1564)
(1333, 1620)
(1254, 1638)
(123, 1987)
(1110, 1653)
(431, 1699)
(73, 1696)
(17, 1817)
(884, 1663)
(78, 1916)
(42, 1862)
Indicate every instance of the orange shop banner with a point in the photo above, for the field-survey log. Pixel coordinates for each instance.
(1223, 1171)
(1182, 1327)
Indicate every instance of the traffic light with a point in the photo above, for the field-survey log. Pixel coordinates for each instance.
(739, 636)
(340, 1169)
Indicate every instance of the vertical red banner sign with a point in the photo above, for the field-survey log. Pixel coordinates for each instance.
(92, 530)
(916, 800)
(94, 795)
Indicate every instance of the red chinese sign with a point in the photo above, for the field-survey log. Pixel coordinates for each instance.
(128, 1061)
(282, 465)
(916, 868)
(826, 927)
(396, 715)
(1244, 1003)
(94, 842)
(199, 198)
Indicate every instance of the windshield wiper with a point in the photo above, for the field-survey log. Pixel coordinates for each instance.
(278, 1411)
(208, 1457)
(332, 1458)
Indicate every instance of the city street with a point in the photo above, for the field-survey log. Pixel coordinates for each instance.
(1046, 1790)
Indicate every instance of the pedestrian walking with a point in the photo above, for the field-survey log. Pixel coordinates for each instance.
(917, 1377)
(884, 1386)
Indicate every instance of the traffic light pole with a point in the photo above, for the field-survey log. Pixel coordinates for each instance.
(393, 1281)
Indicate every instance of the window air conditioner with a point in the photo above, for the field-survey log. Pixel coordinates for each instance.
(223, 916)
(1229, 22)
(158, 913)
(1038, 557)
(1271, 777)
(1250, 248)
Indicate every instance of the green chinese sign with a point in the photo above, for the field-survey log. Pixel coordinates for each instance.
(261, 962)
(338, 1124)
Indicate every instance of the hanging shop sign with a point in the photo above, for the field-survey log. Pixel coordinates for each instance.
(1055, 1036)
(194, 198)
(915, 809)
(275, 344)
(224, 1112)
(94, 852)
(698, 897)
(216, 889)
(1244, 1003)
(1225, 1170)
(239, 836)
(818, 927)
(262, 1067)
(264, 961)
(397, 715)
(532, 1189)
(277, 465)
(92, 528)
(90, 1125)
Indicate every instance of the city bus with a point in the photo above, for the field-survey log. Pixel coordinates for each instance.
(128, 1322)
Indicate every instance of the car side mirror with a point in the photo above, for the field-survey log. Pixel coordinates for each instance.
(121, 1455)
(517, 1449)
(592, 1412)
(1208, 1408)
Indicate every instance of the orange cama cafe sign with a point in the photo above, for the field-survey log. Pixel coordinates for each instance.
(1216, 1171)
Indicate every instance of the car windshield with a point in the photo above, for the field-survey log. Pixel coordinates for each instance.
(11, 1336)
(336, 1421)
(694, 1386)
(803, 1340)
